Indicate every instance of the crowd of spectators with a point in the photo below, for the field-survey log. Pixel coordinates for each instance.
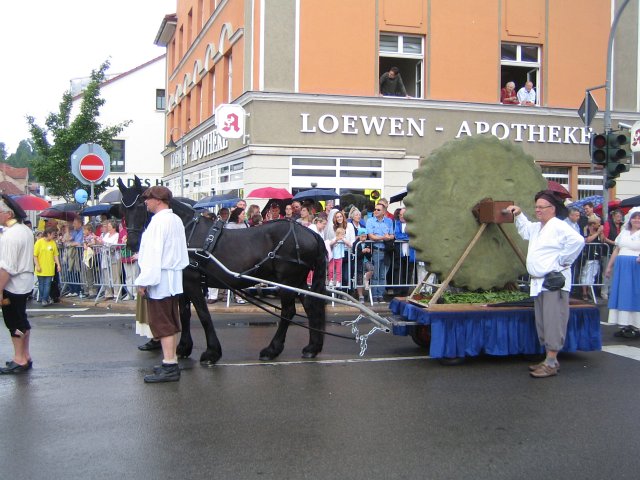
(370, 247)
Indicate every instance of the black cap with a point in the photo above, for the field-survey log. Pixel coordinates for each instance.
(18, 212)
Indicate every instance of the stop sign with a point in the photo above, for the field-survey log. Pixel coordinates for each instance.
(91, 167)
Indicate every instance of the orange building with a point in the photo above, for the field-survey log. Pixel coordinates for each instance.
(308, 75)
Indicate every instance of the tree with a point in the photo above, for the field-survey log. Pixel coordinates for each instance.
(3, 152)
(25, 156)
(53, 167)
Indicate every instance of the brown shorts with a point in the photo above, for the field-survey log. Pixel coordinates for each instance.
(164, 316)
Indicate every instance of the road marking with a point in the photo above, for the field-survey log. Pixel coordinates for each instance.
(325, 362)
(104, 315)
(623, 350)
(51, 309)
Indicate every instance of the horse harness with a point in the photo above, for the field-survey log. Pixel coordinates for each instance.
(216, 231)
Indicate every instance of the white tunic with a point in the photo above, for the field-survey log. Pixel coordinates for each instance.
(553, 247)
(16, 258)
(163, 255)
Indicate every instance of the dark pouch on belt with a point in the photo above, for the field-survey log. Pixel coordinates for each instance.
(553, 281)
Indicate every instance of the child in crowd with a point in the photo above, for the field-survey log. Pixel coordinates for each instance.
(364, 267)
(337, 254)
(592, 254)
(46, 260)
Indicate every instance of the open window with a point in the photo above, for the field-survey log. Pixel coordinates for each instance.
(407, 53)
(520, 64)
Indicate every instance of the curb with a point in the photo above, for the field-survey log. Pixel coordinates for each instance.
(218, 307)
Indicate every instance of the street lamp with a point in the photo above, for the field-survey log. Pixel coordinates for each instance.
(173, 145)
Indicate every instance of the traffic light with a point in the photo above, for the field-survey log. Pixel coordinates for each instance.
(373, 195)
(599, 149)
(615, 152)
(616, 157)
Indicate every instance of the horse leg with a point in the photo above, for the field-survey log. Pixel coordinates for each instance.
(288, 303)
(315, 309)
(214, 350)
(185, 346)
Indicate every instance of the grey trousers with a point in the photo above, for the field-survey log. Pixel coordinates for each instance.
(552, 316)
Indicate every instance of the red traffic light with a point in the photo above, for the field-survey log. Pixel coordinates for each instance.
(599, 141)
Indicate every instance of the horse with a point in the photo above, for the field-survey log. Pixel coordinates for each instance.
(281, 251)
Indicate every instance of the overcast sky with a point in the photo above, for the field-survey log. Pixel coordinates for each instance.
(46, 43)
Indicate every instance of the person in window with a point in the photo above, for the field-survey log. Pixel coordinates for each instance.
(391, 84)
(508, 94)
(527, 95)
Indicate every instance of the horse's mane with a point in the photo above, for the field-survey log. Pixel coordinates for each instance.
(181, 209)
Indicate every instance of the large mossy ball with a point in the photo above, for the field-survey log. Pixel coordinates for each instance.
(440, 200)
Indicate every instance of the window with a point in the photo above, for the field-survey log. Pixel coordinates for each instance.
(160, 99)
(117, 156)
(343, 174)
(588, 182)
(520, 64)
(406, 53)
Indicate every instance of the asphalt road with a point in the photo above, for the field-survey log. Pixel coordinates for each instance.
(84, 411)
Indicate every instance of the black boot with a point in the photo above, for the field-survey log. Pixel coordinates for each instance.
(150, 345)
(165, 373)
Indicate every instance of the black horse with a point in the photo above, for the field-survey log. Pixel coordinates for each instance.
(280, 251)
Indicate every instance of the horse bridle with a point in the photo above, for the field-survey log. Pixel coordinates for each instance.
(133, 228)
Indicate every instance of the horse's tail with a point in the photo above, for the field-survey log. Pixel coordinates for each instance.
(319, 279)
(315, 307)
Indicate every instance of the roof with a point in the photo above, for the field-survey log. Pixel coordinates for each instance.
(14, 172)
(166, 30)
(9, 188)
(121, 75)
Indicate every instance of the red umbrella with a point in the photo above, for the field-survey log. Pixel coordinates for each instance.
(270, 192)
(58, 214)
(559, 189)
(613, 205)
(30, 202)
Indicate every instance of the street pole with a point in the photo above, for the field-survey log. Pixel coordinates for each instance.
(607, 110)
(181, 167)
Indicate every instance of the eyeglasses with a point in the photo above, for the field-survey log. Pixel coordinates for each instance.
(378, 209)
(542, 208)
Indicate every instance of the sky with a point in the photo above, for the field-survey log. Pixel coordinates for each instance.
(46, 43)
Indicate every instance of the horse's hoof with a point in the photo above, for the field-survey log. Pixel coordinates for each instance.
(267, 356)
(208, 359)
(183, 352)
(207, 363)
(311, 351)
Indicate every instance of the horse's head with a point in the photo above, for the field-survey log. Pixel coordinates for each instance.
(135, 212)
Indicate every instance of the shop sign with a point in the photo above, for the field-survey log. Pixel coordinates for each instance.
(409, 127)
(203, 146)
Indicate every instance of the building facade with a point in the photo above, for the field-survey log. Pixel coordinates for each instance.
(137, 95)
(307, 74)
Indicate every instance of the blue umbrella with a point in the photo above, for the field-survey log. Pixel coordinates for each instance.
(317, 194)
(225, 200)
(398, 196)
(595, 199)
(100, 209)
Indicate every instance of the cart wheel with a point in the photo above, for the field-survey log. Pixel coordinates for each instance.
(421, 335)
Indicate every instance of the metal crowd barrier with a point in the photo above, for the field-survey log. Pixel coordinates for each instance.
(588, 269)
(99, 272)
(97, 269)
